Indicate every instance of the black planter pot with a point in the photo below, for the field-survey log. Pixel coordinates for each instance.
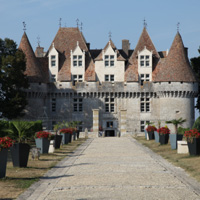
(58, 139)
(3, 162)
(20, 153)
(65, 138)
(163, 139)
(151, 135)
(194, 147)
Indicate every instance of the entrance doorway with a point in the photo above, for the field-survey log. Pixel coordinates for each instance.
(110, 133)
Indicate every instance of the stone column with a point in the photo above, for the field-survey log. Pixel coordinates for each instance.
(123, 123)
(95, 120)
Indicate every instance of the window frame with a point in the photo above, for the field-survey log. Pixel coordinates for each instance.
(77, 105)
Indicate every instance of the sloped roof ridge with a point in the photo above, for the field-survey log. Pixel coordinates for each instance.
(111, 43)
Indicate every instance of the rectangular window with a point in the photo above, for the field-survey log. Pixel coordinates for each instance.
(144, 61)
(145, 104)
(78, 105)
(109, 105)
(53, 105)
(109, 60)
(144, 77)
(110, 77)
(77, 78)
(106, 77)
(53, 61)
(142, 125)
(77, 60)
(53, 78)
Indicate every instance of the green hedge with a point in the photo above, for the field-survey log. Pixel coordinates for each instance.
(197, 124)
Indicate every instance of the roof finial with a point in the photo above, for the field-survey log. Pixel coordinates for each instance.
(38, 40)
(145, 23)
(77, 23)
(178, 24)
(110, 35)
(81, 27)
(60, 22)
(24, 24)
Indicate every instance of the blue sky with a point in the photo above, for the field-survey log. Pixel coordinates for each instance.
(124, 18)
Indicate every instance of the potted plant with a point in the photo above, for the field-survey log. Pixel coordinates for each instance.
(193, 139)
(66, 135)
(42, 140)
(5, 144)
(57, 138)
(150, 130)
(19, 131)
(174, 137)
(163, 135)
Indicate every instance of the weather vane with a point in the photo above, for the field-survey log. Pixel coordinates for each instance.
(38, 40)
(24, 24)
(77, 23)
(178, 26)
(145, 23)
(81, 27)
(110, 35)
(60, 22)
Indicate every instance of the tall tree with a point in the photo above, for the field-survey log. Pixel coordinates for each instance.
(12, 79)
(195, 62)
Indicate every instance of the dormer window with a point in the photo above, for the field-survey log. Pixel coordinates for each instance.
(109, 60)
(144, 61)
(77, 60)
(53, 60)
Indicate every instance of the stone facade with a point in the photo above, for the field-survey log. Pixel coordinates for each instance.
(118, 90)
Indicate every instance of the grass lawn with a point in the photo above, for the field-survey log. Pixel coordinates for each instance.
(190, 164)
(19, 179)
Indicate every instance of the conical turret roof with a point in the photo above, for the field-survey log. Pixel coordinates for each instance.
(32, 65)
(176, 66)
(131, 73)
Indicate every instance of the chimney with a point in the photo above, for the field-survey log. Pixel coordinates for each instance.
(39, 52)
(125, 46)
(88, 46)
(186, 51)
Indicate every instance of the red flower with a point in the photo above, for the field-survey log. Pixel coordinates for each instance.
(67, 130)
(43, 134)
(151, 128)
(193, 133)
(163, 130)
(5, 143)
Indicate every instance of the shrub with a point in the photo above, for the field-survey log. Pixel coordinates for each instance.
(182, 130)
(197, 124)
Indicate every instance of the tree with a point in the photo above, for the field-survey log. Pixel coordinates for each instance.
(195, 63)
(12, 79)
(176, 122)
